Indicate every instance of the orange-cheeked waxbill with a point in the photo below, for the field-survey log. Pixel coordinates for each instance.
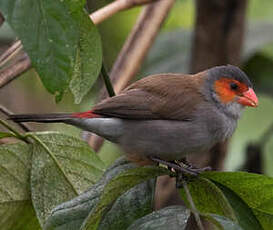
(166, 116)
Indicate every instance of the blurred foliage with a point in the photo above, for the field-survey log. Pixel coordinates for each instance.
(260, 10)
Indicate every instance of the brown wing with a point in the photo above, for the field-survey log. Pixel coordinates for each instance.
(165, 96)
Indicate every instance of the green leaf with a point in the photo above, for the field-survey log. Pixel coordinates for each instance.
(62, 167)
(49, 36)
(116, 187)
(3, 135)
(88, 59)
(208, 198)
(19, 216)
(61, 40)
(130, 206)
(16, 211)
(244, 214)
(254, 189)
(171, 218)
(222, 222)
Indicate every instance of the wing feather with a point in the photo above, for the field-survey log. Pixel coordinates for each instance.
(165, 96)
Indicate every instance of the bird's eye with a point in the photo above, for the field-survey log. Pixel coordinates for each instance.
(233, 86)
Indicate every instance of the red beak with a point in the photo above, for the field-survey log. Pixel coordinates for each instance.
(248, 98)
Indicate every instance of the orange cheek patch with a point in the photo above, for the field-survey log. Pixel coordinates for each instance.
(222, 89)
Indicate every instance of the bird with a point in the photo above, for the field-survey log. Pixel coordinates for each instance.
(165, 117)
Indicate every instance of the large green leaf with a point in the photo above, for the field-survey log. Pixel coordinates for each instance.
(116, 187)
(171, 218)
(222, 223)
(88, 54)
(254, 189)
(60, 39)
(62, 167)
(130, 206)
(49, 35)
(88, 59)
(208, 198)
(16, 211)
(243, 212)
(213, 199)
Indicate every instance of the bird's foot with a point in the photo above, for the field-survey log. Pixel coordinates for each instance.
(184, 162)
(181, 168)
(177, 167)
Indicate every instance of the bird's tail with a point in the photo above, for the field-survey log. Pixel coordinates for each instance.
(52, 117)
(44, 118)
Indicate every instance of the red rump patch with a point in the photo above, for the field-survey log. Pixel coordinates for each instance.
(87, 114)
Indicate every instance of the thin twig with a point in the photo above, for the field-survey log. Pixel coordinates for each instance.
(139, 42)
(10, 53)
(9, 73)
(135, 50)
(192, 206)
(14, 131)
(107, 81)
(7, 112)
(2, 19)
(114, 7)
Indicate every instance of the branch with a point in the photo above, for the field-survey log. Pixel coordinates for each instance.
(14, 131)
(115, 7)
(7, 112)
(11, 72)
(135, 50)
(97, 17)
(10, 53)
(139, 42)
(2, 19)
(107, 81)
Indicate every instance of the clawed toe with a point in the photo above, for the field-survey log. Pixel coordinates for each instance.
(181, 167)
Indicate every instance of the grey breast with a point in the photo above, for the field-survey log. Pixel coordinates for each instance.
(166, 139)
